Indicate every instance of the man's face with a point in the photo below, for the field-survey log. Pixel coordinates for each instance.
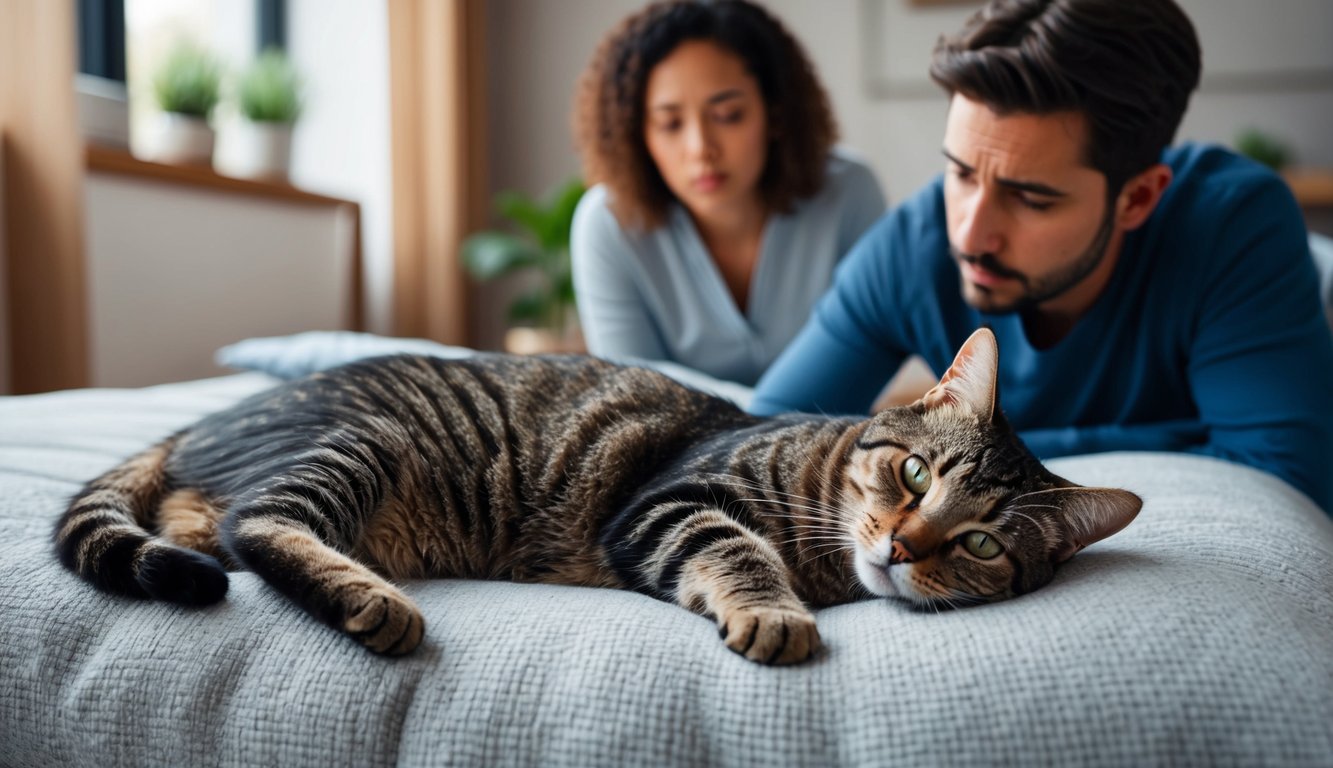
(1028, 220)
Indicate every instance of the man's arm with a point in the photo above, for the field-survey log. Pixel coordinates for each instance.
(1181, 435)
(854, 339)
(822, 372)
(1261, 364)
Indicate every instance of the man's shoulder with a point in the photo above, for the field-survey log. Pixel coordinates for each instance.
(1209, 177)
(1217, 200)
(1224, 218)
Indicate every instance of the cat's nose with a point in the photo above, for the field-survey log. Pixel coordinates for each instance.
(914, 541)
(900, 553)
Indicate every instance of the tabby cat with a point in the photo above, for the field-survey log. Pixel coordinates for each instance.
(571, 470)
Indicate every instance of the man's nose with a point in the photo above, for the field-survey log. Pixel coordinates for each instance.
(979, 227)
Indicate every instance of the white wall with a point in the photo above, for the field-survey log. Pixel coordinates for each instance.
(341, 147)
(175, 272)
(538, 47)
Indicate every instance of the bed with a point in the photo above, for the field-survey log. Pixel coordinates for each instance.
(1200, 635)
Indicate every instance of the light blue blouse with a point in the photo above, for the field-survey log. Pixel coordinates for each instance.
(658, 295)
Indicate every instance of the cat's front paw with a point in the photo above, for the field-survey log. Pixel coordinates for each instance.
(384, 621)
(771, 635)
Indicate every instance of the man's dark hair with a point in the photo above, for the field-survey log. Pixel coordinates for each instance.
(609, 108)
(1129, 66)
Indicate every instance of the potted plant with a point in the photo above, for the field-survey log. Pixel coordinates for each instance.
(186, 87)
(542, 317)
(269, 97)
(1264, 147)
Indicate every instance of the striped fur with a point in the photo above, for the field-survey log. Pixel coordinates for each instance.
(575, 471)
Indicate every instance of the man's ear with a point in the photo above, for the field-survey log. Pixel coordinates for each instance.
(1140, 195)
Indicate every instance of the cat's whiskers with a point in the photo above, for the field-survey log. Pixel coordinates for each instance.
(1035, 506)
(816, 551)
(841, 540)
(1033, 493)
(816, 533)
(754, 486)
(1014, 511)
(804, 507)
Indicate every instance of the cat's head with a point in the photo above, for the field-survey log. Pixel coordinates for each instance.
(946, 505)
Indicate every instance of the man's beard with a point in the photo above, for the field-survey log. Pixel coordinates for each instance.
(1039, 290)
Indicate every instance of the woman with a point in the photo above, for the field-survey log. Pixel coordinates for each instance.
(720, 209)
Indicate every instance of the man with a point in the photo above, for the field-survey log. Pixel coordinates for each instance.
(1144, 298)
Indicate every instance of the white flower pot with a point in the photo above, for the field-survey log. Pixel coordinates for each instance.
(181, 140)
(261, 150)
(522, 340)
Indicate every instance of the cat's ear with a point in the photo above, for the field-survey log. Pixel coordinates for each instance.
(1090, 515)
(970, 380)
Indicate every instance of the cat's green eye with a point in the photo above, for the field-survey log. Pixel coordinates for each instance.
(916, 476)
(981, 545)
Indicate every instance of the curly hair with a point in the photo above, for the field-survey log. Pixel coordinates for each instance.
(1128, 67)
(609, 108)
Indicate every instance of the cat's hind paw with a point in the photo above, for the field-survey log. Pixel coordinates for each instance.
(771, 635)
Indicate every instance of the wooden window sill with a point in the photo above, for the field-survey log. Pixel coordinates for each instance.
(103, 159)
(1313, 187)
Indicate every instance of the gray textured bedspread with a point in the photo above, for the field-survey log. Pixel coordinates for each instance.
(1201, 635)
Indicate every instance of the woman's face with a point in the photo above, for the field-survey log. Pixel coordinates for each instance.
(706, 128)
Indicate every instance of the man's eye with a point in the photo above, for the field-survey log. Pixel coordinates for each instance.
(1036, 205)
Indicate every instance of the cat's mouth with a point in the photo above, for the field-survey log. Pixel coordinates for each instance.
(894, 580)
(884, 579)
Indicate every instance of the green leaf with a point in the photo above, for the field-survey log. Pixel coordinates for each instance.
(269, 91)
(1264, 147)
(188, 81)
(533, 307)
(543, 245)
(522, 211)
(487, 255)
(564, 290)
(562, 213)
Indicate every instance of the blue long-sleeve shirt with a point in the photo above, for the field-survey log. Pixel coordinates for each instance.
(1208, 338)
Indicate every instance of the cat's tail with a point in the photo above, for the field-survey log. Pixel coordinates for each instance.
(104, 538)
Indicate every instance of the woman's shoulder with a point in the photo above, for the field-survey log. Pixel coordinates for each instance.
(850, 198)
(847, 167)
(594, 221)
(848, 177)
(598, 236)
(594, 206)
